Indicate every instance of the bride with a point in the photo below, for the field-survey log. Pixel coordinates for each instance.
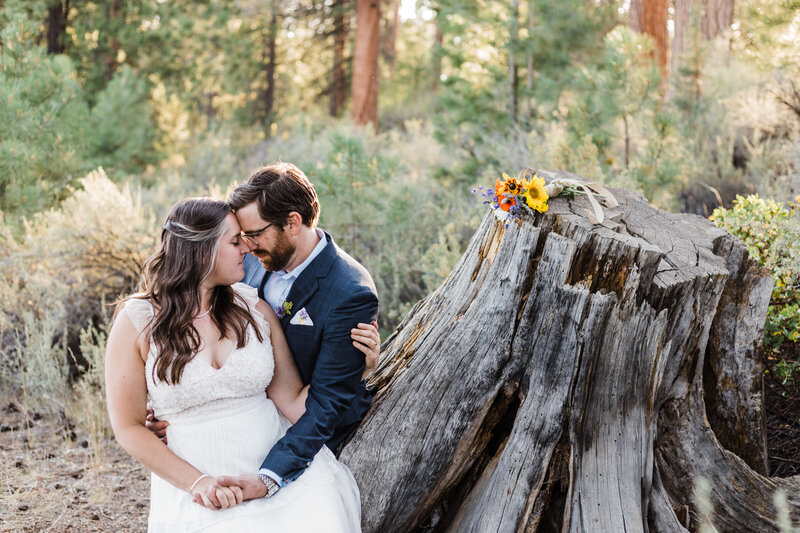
(204, 348)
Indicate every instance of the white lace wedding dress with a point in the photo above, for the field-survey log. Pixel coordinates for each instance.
(221, 422)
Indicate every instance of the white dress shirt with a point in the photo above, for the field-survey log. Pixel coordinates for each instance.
(280, 282)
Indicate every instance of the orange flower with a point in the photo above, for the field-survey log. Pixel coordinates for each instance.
(506, 189)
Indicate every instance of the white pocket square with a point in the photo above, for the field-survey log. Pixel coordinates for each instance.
(301, 318)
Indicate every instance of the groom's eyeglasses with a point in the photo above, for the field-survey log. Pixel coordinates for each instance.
(251, 236)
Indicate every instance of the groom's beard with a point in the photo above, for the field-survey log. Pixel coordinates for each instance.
(277, 258)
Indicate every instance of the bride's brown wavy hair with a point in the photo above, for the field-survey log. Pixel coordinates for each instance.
(172, 277)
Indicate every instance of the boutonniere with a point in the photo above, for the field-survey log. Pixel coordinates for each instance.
(284, 309)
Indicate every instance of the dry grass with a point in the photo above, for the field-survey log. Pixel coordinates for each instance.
(52, 480)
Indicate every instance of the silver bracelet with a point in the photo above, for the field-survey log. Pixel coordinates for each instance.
(196, 481)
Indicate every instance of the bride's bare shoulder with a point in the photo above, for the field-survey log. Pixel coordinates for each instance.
(265, 309)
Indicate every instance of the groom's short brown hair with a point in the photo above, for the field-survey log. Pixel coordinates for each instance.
(278, 189)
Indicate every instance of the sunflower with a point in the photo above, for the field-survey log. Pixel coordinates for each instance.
(535, 195)
(506, 190)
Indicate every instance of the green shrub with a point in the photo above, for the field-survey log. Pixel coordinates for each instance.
(771, 233)
(55, 278)
(42, 120)
(49, 137)
(391, 222)
(121, 135)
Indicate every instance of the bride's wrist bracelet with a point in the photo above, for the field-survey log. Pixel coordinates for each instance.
(196, 481)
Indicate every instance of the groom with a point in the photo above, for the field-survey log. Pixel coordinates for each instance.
(319, 293)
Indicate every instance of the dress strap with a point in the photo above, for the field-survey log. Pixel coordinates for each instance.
(140, 311)
(250, 296)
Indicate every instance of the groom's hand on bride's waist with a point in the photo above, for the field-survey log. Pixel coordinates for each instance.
(159, 427)
(251, 485)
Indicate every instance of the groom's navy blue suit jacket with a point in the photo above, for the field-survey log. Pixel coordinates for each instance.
(337, 293)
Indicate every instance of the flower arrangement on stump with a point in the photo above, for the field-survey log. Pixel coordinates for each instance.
(511, 197)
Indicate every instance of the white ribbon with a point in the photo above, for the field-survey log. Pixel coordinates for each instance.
(595, 214)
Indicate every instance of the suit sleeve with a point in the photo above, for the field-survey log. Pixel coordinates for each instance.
(334, 386)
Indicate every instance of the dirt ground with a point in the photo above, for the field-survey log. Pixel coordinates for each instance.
(52, 481)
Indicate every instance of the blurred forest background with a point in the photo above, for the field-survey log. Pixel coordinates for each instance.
(112, 110)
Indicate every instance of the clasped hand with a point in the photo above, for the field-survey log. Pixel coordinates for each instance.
(226, 491)
(213, 495)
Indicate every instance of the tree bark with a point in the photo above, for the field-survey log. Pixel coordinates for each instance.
(564, 376)
(513, 80)
(341, 31)
(57, 14)
(364, 89)
(529, 71)
(682, 21)
(114, 16)
(717, 18)
(268, 95)
(390, 37)
(650, 17)
(438, 49)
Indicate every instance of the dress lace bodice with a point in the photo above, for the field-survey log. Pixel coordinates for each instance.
(245, 374)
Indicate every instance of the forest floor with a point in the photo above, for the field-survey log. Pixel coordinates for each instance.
(50, 480)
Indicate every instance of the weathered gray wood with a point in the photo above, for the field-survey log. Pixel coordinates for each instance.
(742, 498)
(500, 501)
(662, 517)
(439, 402)
(734, 385)
(556, 381)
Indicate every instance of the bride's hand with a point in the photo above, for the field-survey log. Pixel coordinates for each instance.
(214, 496)
(367, 339)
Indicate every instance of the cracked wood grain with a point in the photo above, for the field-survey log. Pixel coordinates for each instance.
(560, 378)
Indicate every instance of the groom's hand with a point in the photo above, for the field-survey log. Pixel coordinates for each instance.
(159, 427)
(367, 339)
(251, 485)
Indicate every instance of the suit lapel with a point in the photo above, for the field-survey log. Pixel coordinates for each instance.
(301, 292)
(307, 282)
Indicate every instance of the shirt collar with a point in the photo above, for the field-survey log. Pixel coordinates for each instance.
(286, 276)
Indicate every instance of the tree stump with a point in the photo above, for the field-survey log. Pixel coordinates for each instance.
(576, 377)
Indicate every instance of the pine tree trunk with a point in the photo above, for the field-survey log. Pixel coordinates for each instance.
(717, 18)
(529, 71)
(513, 81)
(341, 30)
(438, 49)
(650, 17)
(115, 17)
(364, 89)
(682, 20)
(268, 95)
(563, 377)
(390, 38)
(57, 14)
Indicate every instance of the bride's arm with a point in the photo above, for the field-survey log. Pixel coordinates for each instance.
(126, 392)
(286, 388)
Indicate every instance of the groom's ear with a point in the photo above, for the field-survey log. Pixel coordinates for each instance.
(294, 222)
